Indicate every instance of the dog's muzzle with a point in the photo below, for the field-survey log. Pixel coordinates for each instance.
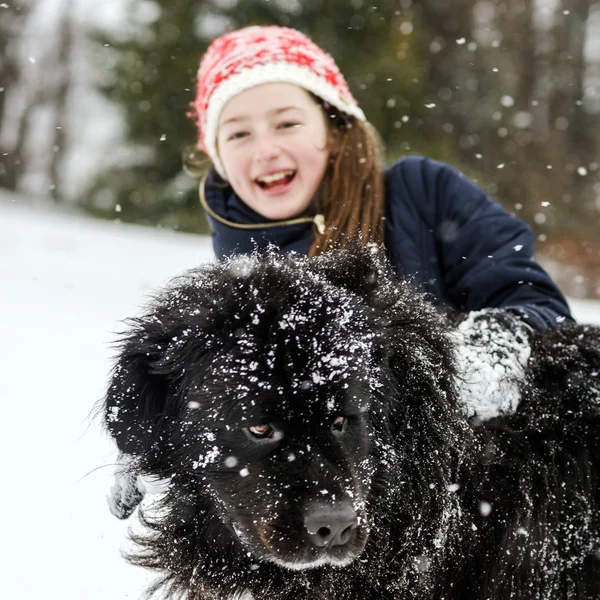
(330, 525)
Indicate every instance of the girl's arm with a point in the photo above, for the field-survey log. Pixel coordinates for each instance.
(486, 254)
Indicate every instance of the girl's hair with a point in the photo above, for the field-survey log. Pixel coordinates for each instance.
(352, 190)
(351, 197)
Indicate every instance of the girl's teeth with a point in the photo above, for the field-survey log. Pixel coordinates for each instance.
(274, 177)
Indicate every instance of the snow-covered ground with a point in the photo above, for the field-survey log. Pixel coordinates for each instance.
(66, 282)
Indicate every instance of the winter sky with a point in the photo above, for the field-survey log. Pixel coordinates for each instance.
(67, 282)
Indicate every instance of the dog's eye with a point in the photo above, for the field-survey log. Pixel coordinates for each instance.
(261, 431)
(339, 425)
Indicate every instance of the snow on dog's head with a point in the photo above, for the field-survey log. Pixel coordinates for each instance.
(273, 392)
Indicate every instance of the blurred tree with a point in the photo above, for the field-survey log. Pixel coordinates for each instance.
(59, 98)
(153, 80)
(12, 19)
(511, 79)
(35, 82)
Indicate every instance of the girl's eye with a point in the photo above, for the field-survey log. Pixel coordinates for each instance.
(289, 125)
(238, 135)
(339, 425)
(261, 431)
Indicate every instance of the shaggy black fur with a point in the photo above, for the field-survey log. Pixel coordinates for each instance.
(277, 393)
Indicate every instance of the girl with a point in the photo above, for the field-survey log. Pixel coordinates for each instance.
(297, 165)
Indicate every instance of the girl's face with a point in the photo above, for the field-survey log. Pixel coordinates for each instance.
(272, 141)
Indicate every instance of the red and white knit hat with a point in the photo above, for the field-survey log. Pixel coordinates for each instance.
(254, 55)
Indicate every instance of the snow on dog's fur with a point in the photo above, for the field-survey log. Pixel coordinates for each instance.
(318, 430)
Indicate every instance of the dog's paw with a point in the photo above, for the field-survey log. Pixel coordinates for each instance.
(124, 496)
(126, 493)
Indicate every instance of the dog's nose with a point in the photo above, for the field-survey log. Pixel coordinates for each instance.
(330, 525)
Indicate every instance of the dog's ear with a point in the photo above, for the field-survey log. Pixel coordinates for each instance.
(144, 377)
(358, 269)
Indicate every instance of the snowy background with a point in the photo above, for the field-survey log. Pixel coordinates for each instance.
(66, 283)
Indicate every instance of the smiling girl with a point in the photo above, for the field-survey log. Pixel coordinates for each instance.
(297, 165)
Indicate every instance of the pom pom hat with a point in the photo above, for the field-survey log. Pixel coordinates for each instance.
(255, 55)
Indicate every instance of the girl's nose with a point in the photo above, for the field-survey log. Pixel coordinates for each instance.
(266, 148)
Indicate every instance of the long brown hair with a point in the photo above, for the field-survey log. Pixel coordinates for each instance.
(352, 191)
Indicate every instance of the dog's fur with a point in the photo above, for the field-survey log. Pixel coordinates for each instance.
(446, 503)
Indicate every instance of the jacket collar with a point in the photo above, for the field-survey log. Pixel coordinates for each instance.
(237, 229)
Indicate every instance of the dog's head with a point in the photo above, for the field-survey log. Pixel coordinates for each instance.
(257, 384)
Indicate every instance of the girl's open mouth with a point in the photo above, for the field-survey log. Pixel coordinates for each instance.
(275, 180)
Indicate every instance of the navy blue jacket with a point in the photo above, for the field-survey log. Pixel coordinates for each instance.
(442, 232)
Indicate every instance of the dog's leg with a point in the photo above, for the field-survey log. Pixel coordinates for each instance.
(125, 493)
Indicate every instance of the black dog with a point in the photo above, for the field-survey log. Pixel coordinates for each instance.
(322, 432)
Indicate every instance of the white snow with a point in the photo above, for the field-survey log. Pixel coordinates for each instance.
(65, 284)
